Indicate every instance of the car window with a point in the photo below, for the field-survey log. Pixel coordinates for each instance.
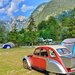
(44, 53)
(63, 51)
(37, 52)
(52, 53)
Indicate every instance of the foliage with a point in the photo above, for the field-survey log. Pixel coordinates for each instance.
(42, 25)
(32, 31)
(49, 29)
(71, 27)
(56, 28)
(3, 34)
(31, 25)
(68, 25)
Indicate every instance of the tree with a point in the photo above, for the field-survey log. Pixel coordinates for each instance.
(68, 27)
(22, 31)
(42, 25)
(53, 26)
(64, 28)
(13, 35)
(3, 34)
(31, 25)
(45, 33)
(32, 31)
(49, 29)
(71, 27)
(64, 33)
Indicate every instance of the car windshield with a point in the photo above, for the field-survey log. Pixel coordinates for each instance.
(63, 51)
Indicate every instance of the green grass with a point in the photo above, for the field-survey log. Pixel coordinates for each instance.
(11, 62)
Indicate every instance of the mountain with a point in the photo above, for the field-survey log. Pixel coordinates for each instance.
(39, 9)
(19, 21)
(52, 8)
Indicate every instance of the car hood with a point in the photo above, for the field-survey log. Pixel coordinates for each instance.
(69, 56)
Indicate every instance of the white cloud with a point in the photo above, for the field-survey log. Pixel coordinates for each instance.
(2, 10)
(11, 9)
(26, 8)
(23, 0)
(12, 6)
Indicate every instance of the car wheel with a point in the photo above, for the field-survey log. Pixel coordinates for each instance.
(25, 65)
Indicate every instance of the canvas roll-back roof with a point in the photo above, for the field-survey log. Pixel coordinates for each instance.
(69, 43)
(69, 40)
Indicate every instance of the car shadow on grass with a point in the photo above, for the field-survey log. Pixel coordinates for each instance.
(48, 73)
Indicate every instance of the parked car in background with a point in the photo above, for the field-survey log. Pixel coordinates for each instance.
(45, 41)
(55, 59)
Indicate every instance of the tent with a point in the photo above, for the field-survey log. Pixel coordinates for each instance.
(8, 45)
(70, 44)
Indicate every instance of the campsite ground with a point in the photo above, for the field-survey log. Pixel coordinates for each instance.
(11, 62)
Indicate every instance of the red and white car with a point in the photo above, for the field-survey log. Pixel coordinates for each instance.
(55, 59)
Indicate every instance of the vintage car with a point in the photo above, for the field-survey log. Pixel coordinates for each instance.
(55, 59)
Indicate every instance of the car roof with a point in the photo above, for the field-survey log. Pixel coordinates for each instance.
(69, 40)
(53, 46)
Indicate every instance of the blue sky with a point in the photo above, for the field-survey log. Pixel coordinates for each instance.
(15, 8)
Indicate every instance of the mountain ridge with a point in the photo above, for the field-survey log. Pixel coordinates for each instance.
(53, 8)
(39, 9)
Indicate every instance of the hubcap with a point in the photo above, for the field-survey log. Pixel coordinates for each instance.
(25, 64)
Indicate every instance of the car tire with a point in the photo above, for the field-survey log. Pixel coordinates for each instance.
(25, 65)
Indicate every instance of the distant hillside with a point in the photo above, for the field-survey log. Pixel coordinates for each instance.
(52, 8)
(39, 9)
(19, 21)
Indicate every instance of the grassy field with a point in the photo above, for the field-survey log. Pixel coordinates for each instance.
(11, 62)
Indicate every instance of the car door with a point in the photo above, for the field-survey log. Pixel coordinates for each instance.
(35, 60)
(43, 57)
(54, 55)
